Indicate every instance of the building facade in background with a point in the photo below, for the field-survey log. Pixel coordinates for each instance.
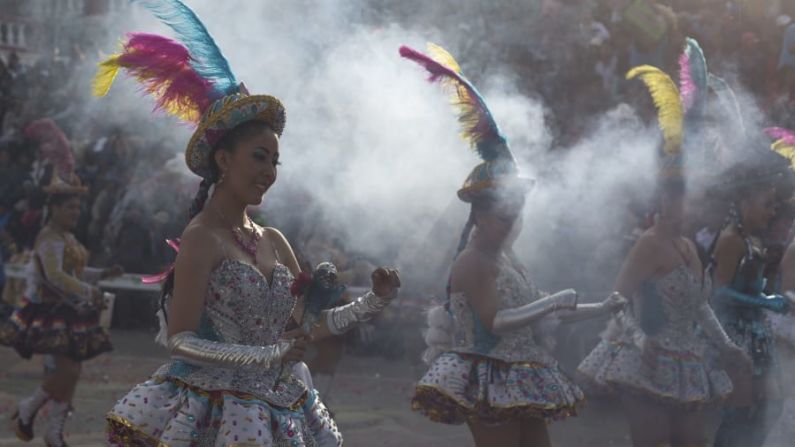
(54, 28)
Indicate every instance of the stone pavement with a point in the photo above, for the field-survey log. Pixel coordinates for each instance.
(370, 398)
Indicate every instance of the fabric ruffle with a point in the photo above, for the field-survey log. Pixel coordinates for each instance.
(46, 328)
(458, 387)
(172, 413)
(679, 378)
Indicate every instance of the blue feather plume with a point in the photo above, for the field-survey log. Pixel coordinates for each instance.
(208, 60)
(727, 100)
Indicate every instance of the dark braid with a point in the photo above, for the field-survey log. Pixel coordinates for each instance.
(462, 244)
(195, 209)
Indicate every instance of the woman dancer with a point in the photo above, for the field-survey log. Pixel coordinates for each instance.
(653, 354)
(783, 325)
(740, 298)
(495, 375)
(228, 298)
(59, 314)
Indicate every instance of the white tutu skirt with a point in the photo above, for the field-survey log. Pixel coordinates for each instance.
(458, 387)
(680, 378)
(172, 413)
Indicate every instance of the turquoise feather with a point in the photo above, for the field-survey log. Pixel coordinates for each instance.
(208, 60)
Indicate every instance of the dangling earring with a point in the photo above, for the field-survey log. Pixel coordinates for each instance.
(223, 177)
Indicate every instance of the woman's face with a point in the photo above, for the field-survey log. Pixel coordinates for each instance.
(502, 222)
(758, 209)
(66, 214)
(249, 170)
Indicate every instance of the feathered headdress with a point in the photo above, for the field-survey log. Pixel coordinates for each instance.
(728, 101)
(190, 79)
(670, 113)
(680, 111)
(477, 123)
(478, 126)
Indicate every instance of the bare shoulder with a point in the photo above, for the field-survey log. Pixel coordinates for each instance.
(283, 249)
(473, 266)
(200, 240)
(276, 236)
(279, 242)
(647, 244)
(730, 241)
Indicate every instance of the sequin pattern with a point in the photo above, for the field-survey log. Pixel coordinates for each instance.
(521, 345)
(185, 405)
(495, 378)
(684, 373)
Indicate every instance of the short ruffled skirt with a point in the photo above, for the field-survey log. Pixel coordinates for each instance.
(680, 378)
(56, 329)
(459, 387)
(171, 413)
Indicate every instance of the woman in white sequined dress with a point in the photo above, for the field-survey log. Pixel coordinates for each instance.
(487, 365)
(656, 354)
(233, 326)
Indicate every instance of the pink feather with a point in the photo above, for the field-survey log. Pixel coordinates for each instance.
(687, 88)
(163, 66)
(780, 134)
(160, 277)
(436, 70)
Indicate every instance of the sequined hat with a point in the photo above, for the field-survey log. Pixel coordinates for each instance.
(224, 115)
(190, 79)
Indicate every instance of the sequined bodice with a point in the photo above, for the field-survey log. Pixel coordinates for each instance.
(471, 336)
(682, 294)
(241, 307)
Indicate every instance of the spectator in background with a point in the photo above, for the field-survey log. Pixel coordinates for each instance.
(786, 61)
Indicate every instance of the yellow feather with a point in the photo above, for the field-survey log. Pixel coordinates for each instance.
(106, 73)
(785, 150)
(443, 57)
(665, 94)
(459, 95)
(181, 108)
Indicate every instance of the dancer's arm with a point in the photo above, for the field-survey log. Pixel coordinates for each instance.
(49, 255)
(614, 303)
(783, 325)
(476, 277)
(194, 263)
(342, 318)
(339, 320)
(709, 323)
(639, 265)
(729, 250)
